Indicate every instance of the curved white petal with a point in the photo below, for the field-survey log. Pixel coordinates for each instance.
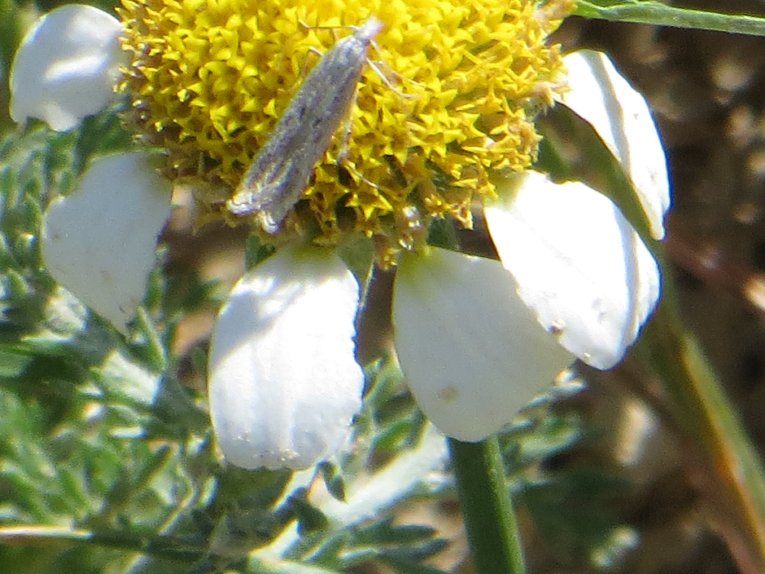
(66, 66)
(621, 116)
(99, 242)
(283, 381)
(472, 352)
(579, 265)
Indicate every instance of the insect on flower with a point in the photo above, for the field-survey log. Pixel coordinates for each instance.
(281, 170)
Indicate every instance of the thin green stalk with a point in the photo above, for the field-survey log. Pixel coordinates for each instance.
(492, 529)
(724, 464)
(162, 546)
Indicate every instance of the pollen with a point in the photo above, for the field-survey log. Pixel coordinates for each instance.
(448, 98)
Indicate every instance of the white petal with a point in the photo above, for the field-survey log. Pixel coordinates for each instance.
(66, 66)
(621, 116)
(100, 241)
(472, 352)
(284, 384)
(579, 265)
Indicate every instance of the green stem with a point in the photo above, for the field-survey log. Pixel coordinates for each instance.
(724, 464)
(492, 529)
(161, 546)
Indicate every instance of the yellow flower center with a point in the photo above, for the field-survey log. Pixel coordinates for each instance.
(463, 80)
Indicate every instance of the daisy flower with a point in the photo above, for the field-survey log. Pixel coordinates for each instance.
(442, 125)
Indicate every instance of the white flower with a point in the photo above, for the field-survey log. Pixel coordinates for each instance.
(472, 351)
(66, 66)
(476, 338)
(573, 260)
(622, 118)
(284, 384)
(579, 265)
(99, 242)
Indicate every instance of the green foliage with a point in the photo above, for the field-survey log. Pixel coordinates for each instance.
(587, 526)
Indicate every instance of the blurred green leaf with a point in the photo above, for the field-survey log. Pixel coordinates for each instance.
(586, 494)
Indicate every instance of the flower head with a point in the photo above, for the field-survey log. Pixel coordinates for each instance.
(452, 108)
(210, 84)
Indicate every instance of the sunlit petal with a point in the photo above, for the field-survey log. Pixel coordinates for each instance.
(473, 354)
(100, 241)
(579, 265)
(284, 383)
(66, 66)
(621, 116)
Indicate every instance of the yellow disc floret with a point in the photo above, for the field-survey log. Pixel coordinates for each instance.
(449, 97)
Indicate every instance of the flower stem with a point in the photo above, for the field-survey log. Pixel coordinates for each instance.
(492, 529)
(161, 546)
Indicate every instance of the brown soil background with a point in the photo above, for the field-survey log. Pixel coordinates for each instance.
(707, 91)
